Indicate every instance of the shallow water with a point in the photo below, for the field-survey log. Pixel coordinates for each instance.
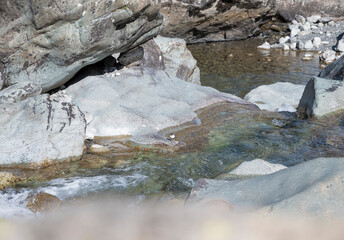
(227, 136)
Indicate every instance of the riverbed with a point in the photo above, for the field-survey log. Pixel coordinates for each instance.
(226, 137)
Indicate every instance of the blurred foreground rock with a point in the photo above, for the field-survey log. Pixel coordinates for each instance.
(313, 188)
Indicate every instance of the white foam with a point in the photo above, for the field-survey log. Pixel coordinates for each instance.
(13, 204)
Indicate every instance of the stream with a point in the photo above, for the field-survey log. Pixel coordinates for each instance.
(229, 137)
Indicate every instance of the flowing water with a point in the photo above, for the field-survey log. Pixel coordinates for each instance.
(226, 137)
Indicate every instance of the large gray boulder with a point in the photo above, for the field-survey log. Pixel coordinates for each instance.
(214, 20)
(313, 188)
(49, 41)
(141, 101)
(280, 96)
(40, 130)
(321, 96)
(172, 56)
(19, 92)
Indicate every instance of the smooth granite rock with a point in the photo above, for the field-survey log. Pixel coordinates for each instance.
(276, 96)
(313, 188)
(49, 41)
(215, 20)
(141, 101)
(41, 130)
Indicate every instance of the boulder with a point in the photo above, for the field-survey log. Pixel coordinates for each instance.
(41, 130)
(44, 202)
(321, 96)
(257, 167)
(275, 96)
(309, 45)
(313, 188)
(265, 46)
(215, 20)
(19, 92)
(317, 42)
(328, 56)
(334, 71)
(141, 101)
(49, 41)
(172, 56)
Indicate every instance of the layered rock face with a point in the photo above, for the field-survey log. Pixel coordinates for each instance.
(49, 41)
(214, 20)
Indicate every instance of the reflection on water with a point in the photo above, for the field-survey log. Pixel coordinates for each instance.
(238, 67)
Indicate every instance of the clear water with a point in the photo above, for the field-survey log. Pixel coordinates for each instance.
(228, 135)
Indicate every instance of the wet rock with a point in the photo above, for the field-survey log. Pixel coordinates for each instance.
(44, 202)
(40, 130)
(98, 149)
(19, 92)
(7, 179)
(321, 96)
(257, 167)
(215, 20)
(273, 97)
(49, 41)
(265, 45)
(172, 56)
(312, 188)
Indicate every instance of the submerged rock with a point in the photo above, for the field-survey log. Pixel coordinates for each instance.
(275, 97)
(49, 41)
(44, 202)
(40, 130)
(313, 188)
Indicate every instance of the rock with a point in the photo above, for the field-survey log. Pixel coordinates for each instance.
(140, 102)
(172, 56)
(276, 28)
(265, 45)
(304, 33)
(309, 45)
(283, 40)
(294, 32)
(44, 202)
(41, 130)
(272, 97)
(331, 23)
(325, 20)
(305, 27)
(340, 46)
(317, 42)
(310, 189)
(334, 71)
(293, 26)
(300, 19)
(7, 179)
(300, 45)
(286, 47)
(257, 167)
(314, 18)
(131, 56)
(321, 96)
(293, 46)
(328, 56)
(215, 20)
(307, 57)
(53, 40)
(99, 149)
(19, 92)
(277, 46)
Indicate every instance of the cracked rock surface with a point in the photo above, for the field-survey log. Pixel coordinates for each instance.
(48, 41)
(41, 129)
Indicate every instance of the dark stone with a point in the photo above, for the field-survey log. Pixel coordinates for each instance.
(334, 71)
(305, 108)
(131, 56)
